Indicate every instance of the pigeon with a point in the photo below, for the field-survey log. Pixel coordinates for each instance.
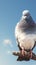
(25, 33)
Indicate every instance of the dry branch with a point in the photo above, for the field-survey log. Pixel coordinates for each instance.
(26, 57)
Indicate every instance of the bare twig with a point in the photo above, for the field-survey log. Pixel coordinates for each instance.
(26, 57)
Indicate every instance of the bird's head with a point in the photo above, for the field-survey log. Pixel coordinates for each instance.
(27, 17)
(26, 14)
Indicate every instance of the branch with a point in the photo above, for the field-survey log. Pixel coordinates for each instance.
(26, 57)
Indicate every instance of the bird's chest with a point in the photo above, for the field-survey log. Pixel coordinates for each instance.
(27, 41)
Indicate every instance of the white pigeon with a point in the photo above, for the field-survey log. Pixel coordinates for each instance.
(25, 33)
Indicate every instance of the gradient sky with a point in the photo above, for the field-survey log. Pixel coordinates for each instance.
(10, 14)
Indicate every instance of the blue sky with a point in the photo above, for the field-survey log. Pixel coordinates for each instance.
(10, 14)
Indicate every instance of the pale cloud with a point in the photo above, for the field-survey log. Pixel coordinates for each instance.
(9, 52)
(7, 42)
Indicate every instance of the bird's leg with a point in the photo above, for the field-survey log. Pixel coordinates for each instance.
(23, 52)
(35, 43)
(30, 53)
